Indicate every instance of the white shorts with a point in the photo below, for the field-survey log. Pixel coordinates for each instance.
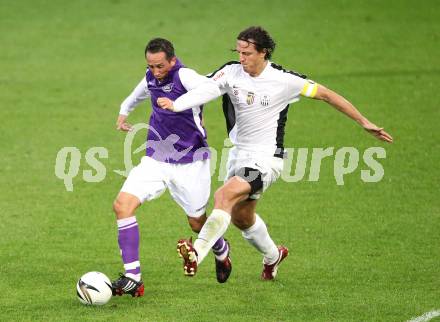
(189, 184)
(269, 166)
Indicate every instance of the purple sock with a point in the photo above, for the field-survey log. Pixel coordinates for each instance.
(220, 248)
(128, 239)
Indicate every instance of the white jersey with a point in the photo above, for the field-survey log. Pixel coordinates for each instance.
(256, 107)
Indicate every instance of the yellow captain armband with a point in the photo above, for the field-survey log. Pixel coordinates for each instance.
(309, 89)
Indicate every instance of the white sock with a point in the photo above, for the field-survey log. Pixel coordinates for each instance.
(258, 236)
(136, 277)
(214, 228)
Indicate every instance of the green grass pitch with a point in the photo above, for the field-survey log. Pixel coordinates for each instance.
(359, 252)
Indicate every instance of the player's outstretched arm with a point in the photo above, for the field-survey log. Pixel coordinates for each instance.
(137, 96)
(344, 106)
(199, 95)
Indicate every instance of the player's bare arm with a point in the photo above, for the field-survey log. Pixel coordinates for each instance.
(122, 124)
(344, 106)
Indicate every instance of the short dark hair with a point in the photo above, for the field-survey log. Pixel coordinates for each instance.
(260, 38)
(158, 45)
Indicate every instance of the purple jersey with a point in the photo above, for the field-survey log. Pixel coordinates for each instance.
(174, 137)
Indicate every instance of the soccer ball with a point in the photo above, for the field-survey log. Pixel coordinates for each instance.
(94, 288)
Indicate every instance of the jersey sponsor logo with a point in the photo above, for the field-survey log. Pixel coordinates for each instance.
(235, 90)
(250, 98)
(219, 75)
(264, 100)
(168, 88)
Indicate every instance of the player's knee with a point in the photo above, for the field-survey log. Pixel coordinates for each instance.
(125, 205)
(117, 207)
(121, 209)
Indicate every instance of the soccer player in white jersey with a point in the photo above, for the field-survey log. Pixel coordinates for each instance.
(256, 96)
(177, 152)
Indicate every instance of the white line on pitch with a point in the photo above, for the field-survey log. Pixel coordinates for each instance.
(426, 317)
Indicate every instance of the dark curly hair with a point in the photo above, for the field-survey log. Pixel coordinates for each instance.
(260, 38)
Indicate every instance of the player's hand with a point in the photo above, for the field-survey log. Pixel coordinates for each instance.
(378, 132)
(165, 103)
(122, 125)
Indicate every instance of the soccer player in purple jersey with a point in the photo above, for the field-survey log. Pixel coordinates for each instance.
(176, 154)
(256, 97)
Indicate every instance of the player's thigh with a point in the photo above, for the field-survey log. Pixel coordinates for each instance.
(190, 187)
(146, 181)
(234, 190)
(260, 170)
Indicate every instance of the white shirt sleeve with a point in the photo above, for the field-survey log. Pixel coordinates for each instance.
(190, 78)
(297, 86)
(200, 89)
(139, 94)
(220, 77)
